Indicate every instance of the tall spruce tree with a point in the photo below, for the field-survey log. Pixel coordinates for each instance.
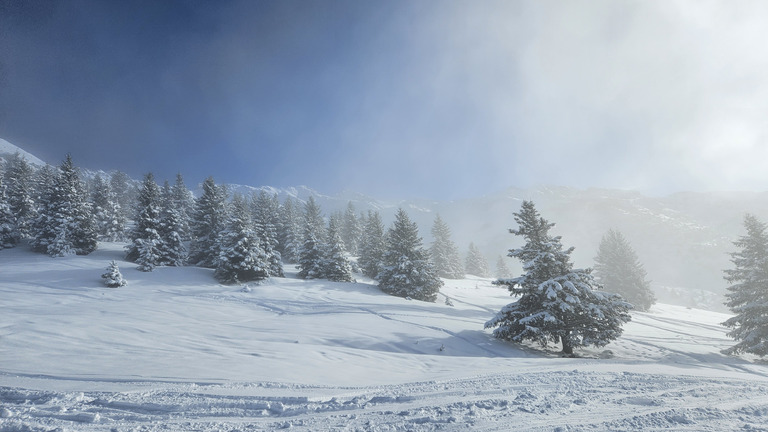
(9, 237)
(558, 303)
(351, 230)
(311, 253)
(146, 245)
(747, 295)
(444, 253)
(171, 225)
(290, 232)
(618, 270)
(335, 264)
(125, 192)
(108, 216)
(476, 264)
(407, 271)
(18, 177)
(372, 245)
(184, 203)
(208, 220)
(241, 258)
(265, 213)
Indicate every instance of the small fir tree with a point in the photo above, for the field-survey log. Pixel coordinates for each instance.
(558, 304)
(618, 270)
(241, 258)
(372, 246)
(407, 271)
(476, 264)
(747, 295)
(444, 253)
(113, 278)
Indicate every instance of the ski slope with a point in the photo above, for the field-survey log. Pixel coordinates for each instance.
(175, 351)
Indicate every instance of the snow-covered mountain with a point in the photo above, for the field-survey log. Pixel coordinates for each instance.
(683, 239)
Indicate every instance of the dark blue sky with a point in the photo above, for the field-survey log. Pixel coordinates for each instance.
(398, 99)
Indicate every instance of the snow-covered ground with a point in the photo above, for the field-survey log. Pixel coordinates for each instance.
(175, 351)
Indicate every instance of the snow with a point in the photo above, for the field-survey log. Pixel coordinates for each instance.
(176, 351)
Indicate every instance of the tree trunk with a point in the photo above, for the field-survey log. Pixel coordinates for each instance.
(567, 347)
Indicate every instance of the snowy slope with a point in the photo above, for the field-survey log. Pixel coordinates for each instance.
(176, 351)
(7, 149)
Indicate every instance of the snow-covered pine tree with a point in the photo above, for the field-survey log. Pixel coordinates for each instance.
(208, 220)
(241, 258)
(64, 224)
(502, 271)
(372, 245)
(747, 296)
(113, 278)
(351, 230)
(184, 203)
(146, 244)
(476, 264)
(558, 303)
(172, 249)
(290, 232)
(407, 271)
(18, 179)
(265, 212)
(311, 252)
(619, 271)
(108, 216)
(444, 253)
(125, 192)
(9, 236)
(336, 266)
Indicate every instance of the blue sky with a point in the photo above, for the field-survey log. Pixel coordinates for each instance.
(397, 99)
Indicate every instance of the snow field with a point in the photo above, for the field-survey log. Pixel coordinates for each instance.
(175, 351)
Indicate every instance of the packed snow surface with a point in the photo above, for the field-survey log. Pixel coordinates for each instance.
(175, 351)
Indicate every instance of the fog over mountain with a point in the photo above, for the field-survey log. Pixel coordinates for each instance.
(683, 239)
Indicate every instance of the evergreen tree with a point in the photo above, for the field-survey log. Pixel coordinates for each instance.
(502, 271)
(209, 219)
(336, 266)
(444, 254)
(747, 295)
(172, 249)
(476, 264)
(64, 224)
(265, 210)
(290, 232)
(9, 237)
(557, 303)
(407, 271)
(125, 192)
(618, 270)
(113, 278)
(311, 252)
(241, 258)
(372, 246)
(19, 184)
(146, 244)
(108, 216)
(184, 203)
(351, 230)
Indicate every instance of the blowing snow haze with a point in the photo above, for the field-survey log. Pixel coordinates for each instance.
(439, 100)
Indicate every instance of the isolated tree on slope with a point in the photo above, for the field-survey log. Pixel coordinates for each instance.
(444, 253)
(747, 296)
(265, 210)
(241, 258)
(476, 264)
(335, 264)
(18, 180)
(407, 271)
(208, 220)
(557, 303)
(113, 278)
(146, 244)
(311, 252)
(372, 245)
(618, 270)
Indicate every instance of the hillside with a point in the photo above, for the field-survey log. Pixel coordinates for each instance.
(176, 351)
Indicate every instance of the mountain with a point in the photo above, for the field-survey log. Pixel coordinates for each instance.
(682, 239)
(7, 149)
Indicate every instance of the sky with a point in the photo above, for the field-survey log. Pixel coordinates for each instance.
(395, 99)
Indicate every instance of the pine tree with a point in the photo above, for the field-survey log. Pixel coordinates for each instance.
(9, 236)
(336, 266)
(311, 252)
(18, 180)
(184, 203)
(290, 232)
(208, 220)
(108, 216)
(443, 252)
(476, 264)
(747, 295)
(558, 303)
(351, 230)
(172, 249)
(407, 271)
(265, 211)
(125, 192)
(618, 270)
(64, 224)
(241, 258)
(146, 244)
(372, 246)
(113, 278)
(502, 271)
